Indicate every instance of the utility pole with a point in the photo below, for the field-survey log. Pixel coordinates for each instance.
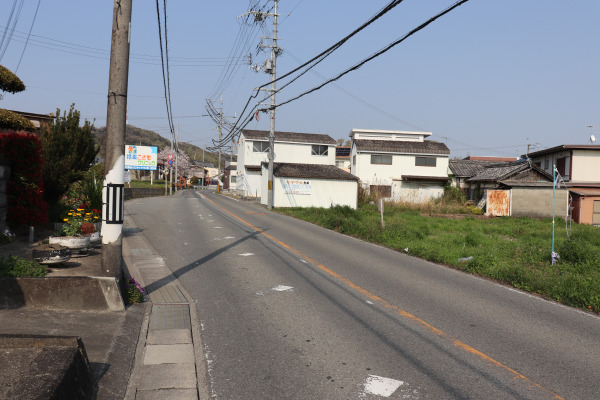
(274, 51)
(270, 67)
(116, 118)
(220, 145)
(177, 158)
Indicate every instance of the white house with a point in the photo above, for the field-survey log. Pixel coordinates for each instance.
(290, 147)
(310, 185)
(399, 165)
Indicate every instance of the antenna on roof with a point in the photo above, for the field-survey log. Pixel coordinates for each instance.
(592, 137)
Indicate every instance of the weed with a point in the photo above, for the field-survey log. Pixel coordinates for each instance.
(17, 267)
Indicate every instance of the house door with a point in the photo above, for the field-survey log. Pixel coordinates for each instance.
(560, 166)
(596, 214)
(498, 203)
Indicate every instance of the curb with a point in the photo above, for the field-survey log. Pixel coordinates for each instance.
(150, 357)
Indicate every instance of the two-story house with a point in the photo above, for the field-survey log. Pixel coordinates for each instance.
(579, 166)
(399, 165)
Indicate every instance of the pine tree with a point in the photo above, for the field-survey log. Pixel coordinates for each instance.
(69, 151)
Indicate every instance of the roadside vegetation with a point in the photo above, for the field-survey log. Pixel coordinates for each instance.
(17, 267)
(514, 251)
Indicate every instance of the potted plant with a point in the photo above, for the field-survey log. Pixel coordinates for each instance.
(70, 234)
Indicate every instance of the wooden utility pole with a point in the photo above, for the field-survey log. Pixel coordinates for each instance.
(114, 167)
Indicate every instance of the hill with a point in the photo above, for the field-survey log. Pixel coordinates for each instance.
(143, 137)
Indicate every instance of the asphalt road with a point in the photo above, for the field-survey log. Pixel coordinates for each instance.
(293, 311)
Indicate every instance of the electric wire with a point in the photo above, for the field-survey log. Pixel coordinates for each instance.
(163, 68)
(28, 35)
(375, 55)
(315, 60)
(6, 40)
(94, 52)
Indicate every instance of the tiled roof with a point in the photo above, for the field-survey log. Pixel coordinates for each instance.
(316, 138)
(315, 171)
(469, 168)
(399, 146)
(505, 171)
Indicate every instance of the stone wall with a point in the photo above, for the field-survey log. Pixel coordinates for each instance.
(136, 193)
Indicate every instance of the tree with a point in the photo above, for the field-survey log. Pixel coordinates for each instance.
(183, 162)
(69, 151)
(11, 83)
(340, 143)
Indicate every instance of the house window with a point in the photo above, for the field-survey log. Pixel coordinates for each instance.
(425, 161)
(319, 150)
(339, 164)
(260, 147)
(381, 190)
(233, 178)
(354, 159)
(381, 159)
(546, 164)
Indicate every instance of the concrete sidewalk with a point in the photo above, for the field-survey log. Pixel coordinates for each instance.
(169, 361)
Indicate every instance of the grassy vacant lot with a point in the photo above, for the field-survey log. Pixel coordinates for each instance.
(515, 251)
(157, 184)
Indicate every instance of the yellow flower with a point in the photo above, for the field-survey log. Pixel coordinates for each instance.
(66, 219)
(69, 213)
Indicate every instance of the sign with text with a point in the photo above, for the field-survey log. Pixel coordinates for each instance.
(296, 186)
(141, 157)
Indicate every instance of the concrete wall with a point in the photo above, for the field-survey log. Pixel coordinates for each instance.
(323, 193)
(136, 193)
(416, 192)
(586, 166)
(583, 210)
(66, 293)
(537, 202)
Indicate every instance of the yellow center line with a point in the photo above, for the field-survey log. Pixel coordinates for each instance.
(371, 296)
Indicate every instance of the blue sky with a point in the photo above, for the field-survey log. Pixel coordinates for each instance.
(486, 79)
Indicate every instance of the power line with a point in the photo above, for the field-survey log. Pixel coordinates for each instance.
(94, 52)
(314, 61)
(28, 35)
(6, 41)
(375, 55)
(165, 81)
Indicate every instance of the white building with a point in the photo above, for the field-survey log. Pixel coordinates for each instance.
(310, 185)
(399, 165)
(290, 147)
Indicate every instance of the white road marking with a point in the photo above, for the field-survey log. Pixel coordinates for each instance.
(218, 227)
(370, 302)
(303, 261)
(282, 288)
(229, 237)
(380, 386)
(279, 288)
(246, 254)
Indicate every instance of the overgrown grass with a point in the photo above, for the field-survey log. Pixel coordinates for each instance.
(17, 267)
(515, 251)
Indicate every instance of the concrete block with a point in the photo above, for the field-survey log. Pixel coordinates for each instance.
(169, 336)
(168, 376)
(169, 354)
(168, 394)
